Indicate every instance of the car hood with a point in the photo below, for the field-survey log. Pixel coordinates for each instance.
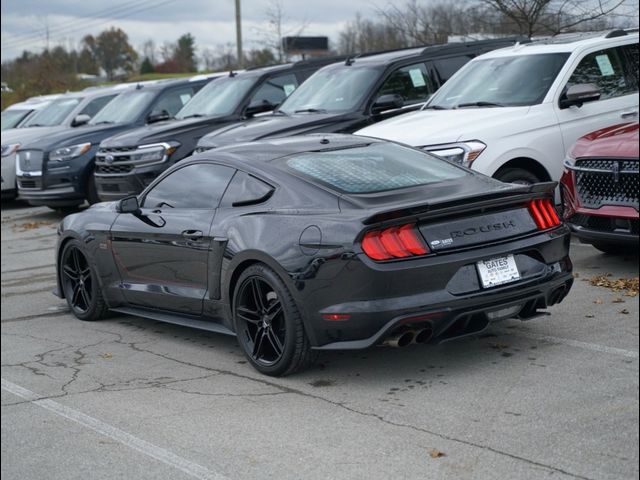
(434, 127)
(162, 131)
(616, 141)
(71, 136)
(26, 135)
(276, 125)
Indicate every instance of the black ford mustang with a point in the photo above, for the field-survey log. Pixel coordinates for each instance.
(319, 242)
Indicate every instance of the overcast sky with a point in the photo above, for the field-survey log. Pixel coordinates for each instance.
(211, 22)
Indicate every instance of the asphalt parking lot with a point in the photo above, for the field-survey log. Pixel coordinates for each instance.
(555, 397)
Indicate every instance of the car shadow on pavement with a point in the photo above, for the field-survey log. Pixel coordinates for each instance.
(376, 365)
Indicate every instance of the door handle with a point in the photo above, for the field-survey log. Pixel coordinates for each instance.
(629, 113)
(192, 234)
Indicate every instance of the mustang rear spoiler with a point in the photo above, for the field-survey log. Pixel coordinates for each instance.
(450, 206)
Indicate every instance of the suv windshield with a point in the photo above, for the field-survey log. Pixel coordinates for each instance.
(500, 82)
(220, 97)
(373, 168)
(11, 118)
(55, 113)
(125, 108)
(332, 90)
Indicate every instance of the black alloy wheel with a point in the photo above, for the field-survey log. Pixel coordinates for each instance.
(268, 324)
(261, 321)
(79, 283)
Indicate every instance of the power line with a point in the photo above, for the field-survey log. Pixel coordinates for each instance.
(83, 25)
(72, 23)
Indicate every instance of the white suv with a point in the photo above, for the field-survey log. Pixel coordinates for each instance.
(513, 113)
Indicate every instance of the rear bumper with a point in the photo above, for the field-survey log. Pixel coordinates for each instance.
(463, 316)
(372, 300)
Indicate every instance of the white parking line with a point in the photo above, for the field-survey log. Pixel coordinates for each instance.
(578, 344)
(165, 456)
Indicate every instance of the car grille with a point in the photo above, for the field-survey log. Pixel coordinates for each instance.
(606, 224)
(30, 160)
(105, 168)
(114, 166)
(28, 184)
(607, 182)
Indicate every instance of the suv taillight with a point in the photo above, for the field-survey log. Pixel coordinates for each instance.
(544, 213)
(394, 242)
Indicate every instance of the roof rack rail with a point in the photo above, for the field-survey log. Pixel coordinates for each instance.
(327, 59)
(392, 50)
(454, 47)
(616, 33)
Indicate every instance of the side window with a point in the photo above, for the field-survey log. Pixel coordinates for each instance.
(412, 83)
(246, 189)
(629, 57)
(275, 90)
(173, 100)
(446, 67)
(200, 185)
(95, 105)
(604, 69)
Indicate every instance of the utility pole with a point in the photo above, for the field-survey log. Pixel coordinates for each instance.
(239, 36)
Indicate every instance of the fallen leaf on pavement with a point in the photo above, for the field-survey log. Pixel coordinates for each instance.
(598, 301)
(624, 311)
(106, 355)
(23, 227)
(629, 285)
(435, 453)
(589, 315)
(617, 300)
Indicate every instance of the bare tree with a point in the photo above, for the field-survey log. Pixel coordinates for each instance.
(535, 17)
(149, 51)
(278, 27)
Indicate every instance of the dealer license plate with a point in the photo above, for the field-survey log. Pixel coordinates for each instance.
(498, 271)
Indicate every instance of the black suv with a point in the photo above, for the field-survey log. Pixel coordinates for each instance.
(57, 169)
(362, 90)
(128, 162)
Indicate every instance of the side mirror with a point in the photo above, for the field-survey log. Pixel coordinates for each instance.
(579, 94)
(128, 205)
(158, 116)
(387, 102)
(259, 107)
(81, 119)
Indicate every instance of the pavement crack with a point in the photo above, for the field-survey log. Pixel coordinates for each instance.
(36, 315)
(285, 389)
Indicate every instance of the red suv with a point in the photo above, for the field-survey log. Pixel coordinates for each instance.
(600, 188)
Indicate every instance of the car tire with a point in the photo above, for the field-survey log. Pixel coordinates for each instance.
(79, 282)
(517, 175)
(65, 210)
(269, 324)
(92, 191)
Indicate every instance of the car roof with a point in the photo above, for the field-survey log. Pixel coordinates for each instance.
(299, 65)
(566, 43)
(427, 51)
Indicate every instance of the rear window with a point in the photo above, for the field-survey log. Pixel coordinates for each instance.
(373, 168)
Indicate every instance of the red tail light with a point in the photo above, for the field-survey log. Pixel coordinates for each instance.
(544, 213)
(394, 242)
